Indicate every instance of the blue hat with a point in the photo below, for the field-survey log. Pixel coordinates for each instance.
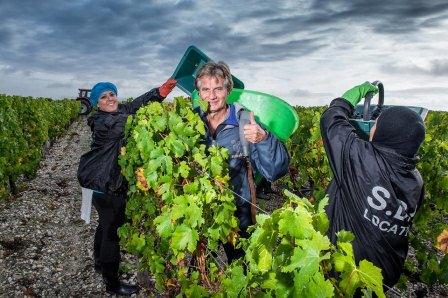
(98, 89)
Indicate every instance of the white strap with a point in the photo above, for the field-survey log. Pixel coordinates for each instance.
(86, 205)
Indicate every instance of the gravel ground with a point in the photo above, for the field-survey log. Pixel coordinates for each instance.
(46, 249)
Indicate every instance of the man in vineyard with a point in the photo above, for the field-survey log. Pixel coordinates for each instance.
(98, 170)
(376, 188)
(266, 152)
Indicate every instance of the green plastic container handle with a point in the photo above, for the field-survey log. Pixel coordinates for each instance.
(368, 98)
(275, 114)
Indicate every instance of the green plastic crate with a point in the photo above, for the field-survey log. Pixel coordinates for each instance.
(363, 127)
(187, 69)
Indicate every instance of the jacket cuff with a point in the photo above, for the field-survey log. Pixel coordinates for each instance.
(342, 103)
(268, 137)
(157, 94)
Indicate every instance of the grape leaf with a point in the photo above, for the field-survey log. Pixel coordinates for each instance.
(371, 276)
(319, 287)
(236, 282)
(264, 260)
(163, 224)
(184, 237)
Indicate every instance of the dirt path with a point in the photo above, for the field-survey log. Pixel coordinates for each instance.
(45, 248)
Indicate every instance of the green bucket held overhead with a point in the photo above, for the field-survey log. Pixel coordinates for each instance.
(276, 115)
(364, 116)
(186, 70)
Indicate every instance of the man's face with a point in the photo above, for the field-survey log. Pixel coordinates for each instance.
(213, 91)
(108, 102)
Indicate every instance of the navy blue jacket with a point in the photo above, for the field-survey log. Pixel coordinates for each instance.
(268, 157)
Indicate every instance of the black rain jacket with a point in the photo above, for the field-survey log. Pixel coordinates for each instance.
(374, 193)
(98, 169)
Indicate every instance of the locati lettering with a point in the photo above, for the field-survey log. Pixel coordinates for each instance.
(388, 217)
(385, 225)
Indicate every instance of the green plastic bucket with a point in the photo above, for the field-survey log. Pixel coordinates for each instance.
(363, 118)
(189, 64)
(276, 115)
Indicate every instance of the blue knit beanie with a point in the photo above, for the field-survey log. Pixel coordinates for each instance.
(98, 89)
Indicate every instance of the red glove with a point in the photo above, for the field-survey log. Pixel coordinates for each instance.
(166, 87)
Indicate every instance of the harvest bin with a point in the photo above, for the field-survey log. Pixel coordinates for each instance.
(363, 127)
(188, 67)
(364, 116)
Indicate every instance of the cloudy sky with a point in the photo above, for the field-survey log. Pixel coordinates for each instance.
(306, 52)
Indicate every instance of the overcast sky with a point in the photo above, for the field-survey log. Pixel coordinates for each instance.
(305, 52)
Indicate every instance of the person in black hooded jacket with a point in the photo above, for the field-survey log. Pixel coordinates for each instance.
(98, 170)
(376, 188)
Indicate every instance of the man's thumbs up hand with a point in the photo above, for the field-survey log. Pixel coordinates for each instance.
(253, 132)
(252, 118)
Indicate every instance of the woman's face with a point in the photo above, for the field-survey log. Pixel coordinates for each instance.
(108, 102)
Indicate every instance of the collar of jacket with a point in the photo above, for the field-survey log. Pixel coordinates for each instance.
(101, 114)
(395, 158)
(232, 118)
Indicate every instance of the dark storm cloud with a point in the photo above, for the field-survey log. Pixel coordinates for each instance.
(290, 49)
(391, 17)
(60, 37)
(53, 36)
(436, 68)
(220, 42)
(80, 37)
(5, 36)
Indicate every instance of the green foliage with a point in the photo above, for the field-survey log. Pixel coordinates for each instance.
(431, 219)
(26, 123)
(180, 209)
(287, 255)
(309, 171)
(310, 174)
(179, 205)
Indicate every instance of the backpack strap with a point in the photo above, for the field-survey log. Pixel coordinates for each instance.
(243, 119)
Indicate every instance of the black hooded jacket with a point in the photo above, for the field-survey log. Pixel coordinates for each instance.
(98, 169)
(374, 193)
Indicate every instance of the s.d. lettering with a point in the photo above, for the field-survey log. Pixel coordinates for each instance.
(385, 218)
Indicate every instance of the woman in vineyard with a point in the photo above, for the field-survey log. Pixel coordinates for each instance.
(376, 188)
(267, 153)
(98, 170)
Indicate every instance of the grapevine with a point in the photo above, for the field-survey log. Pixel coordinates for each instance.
(288, 255)
(26, 124)
(180, 207)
